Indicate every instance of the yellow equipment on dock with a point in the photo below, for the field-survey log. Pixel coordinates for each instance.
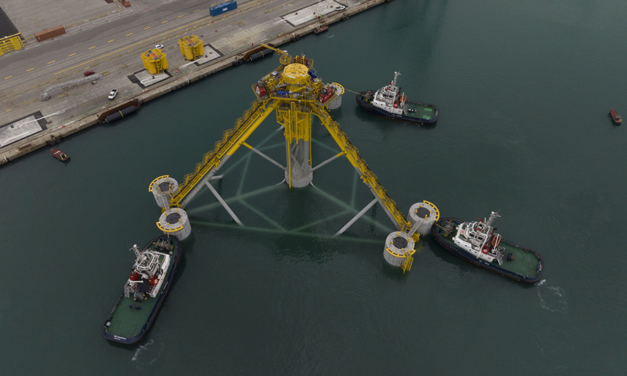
(191, 47)
(155, 61)
(11, 43)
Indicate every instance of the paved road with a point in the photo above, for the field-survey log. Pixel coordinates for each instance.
(112, 47)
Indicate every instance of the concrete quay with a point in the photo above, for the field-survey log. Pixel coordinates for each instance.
(68, 116)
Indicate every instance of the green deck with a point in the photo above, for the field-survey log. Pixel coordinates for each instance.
(524, 263)
(127, 322)
(422, 111)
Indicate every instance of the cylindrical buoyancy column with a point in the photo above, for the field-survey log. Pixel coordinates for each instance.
(426, 212)
(336, 101)
(163, 188)
(300, 173)
(399, 246)
(175, 222)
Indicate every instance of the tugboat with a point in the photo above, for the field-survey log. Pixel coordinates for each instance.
(144, 291)
(477, 243)
(388, 102)
(616, 117)
(58, 154)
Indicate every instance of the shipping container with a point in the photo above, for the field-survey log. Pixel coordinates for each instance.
(54, 32)
(222, 8)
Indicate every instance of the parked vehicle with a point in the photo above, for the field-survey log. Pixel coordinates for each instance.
(112, 94)
(159, 46)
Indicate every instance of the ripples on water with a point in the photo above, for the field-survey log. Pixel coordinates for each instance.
(552, 298)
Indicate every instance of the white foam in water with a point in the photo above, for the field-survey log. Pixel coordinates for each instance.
(552, 298)
(142, 347)
(146, 362)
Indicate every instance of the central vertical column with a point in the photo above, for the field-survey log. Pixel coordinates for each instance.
(299, 171)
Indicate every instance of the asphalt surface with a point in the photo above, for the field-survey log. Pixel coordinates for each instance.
(112, 46)
(6, 26)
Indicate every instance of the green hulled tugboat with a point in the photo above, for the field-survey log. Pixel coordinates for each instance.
(388, 102)
(144, 291)
(477, 243)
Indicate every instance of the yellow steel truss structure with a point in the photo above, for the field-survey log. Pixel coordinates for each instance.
(11, 43)
(294, 94)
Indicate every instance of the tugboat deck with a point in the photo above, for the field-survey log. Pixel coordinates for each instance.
(421, 111)
(524, 263)
(127, 322)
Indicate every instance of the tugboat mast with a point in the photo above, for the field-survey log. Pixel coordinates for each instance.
(493, 216)
(396, 74)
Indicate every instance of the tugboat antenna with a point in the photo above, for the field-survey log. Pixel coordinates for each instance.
(396, 74)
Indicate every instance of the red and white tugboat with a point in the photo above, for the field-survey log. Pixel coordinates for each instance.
(58, 154)
(479, 244)
(144, 291)
(391, 103)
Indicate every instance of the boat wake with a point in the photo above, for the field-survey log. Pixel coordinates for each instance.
(331, 36)
(143, 348)
(552, 298)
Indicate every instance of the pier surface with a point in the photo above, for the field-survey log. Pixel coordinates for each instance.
(109, 39)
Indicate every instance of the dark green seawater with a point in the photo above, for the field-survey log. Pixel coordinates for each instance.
(523, 88)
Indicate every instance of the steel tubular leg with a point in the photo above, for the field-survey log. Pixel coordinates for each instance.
(328, 161)
(356, 217)
(226, 206)
(264, 156)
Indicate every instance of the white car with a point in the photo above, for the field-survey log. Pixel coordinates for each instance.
(159, 46)
(112, 94)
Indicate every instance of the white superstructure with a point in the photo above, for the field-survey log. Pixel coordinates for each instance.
(389, 98)
(148, 272)
(478, 239)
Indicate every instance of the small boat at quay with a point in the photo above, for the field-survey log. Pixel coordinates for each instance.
(321, 29)
(479, 244)
(58, 154)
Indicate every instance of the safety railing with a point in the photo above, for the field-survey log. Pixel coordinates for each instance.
(367, 176)
(11, 43)
(230, 139)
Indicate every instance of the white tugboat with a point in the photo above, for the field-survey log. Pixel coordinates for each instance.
(477, 243)
(391, 102)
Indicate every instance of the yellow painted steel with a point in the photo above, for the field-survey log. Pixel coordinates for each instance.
(437, 211)
(191, 47)
(152, 183)
(174, 229)
(367, 176)
(406, 266)
(231, 141)
(284, 57)
(155, 61)
(296, 74)
(339, 87)
(293, 94)
(11, 43)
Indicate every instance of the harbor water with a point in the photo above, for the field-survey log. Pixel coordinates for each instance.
(524, 90)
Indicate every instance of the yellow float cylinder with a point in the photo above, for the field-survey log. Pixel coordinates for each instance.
(191, 47)
(155, 61)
